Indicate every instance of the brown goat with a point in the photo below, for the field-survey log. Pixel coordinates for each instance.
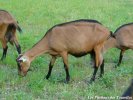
(77, 38)
(121, 39)
(8, 26)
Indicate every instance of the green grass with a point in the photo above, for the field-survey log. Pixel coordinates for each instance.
(36, 17)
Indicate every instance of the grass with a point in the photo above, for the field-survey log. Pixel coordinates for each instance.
(36, 17)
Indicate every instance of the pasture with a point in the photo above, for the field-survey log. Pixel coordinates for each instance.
(35, 17)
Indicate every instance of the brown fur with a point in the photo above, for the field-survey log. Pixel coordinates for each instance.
(123, 40)
(8, 26)
(77, 38)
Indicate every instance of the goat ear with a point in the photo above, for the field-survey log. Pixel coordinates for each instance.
(19, 61)
(20, 58)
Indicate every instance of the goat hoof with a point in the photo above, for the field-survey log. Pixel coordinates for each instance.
(47, 77)
(1, 59)
(91, 81)
(116, 66)
(100, 76)
(66, 82)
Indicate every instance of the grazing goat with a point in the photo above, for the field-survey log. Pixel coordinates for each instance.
(121, 39)
(128, 94)
(77, 38)
(8, 26)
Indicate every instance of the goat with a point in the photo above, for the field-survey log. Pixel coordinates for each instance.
(8, 26)
(77, 38)
(121, 39)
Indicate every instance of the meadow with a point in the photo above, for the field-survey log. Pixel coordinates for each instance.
(35, 17)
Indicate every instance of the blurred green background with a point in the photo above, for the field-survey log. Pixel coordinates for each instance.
(35, 17)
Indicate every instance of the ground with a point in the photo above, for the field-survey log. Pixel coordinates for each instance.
(35, 17)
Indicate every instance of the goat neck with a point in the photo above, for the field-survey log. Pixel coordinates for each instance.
(110, 43)
(38, 49)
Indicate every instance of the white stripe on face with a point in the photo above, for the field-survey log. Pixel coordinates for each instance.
(23, 59)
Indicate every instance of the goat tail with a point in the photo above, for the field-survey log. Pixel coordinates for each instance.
(19, 29)
(17, 26)
(111, 34)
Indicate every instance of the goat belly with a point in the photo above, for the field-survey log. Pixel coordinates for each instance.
(79, 54)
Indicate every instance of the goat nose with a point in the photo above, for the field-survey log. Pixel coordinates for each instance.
(22, 73)
(25, 73)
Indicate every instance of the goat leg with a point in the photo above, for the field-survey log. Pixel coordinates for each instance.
(67, 74)
(18, 47)
(94, 75)
(65, 60)
(50, 67)
(121, 56)
(4, 53)
(92, 55)
(102, 69)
